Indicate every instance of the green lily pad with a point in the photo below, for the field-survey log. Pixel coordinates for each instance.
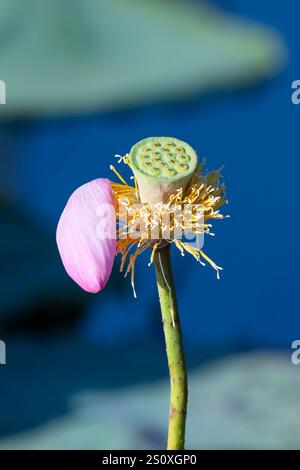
(248, 401)
(74, 55)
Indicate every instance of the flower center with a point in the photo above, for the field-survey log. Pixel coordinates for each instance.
(163, 157)
(161, 165)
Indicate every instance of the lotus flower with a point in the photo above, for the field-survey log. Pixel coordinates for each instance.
(166, 176)
(86, 232)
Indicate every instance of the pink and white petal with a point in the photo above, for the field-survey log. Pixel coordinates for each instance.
(86, 235)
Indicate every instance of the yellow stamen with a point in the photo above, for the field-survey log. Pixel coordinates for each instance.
(203, 189)
(118, 174)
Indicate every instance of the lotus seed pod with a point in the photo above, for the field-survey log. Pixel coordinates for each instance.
(161, 165)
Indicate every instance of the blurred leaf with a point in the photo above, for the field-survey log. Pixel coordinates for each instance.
(248, 401)
(62, 56)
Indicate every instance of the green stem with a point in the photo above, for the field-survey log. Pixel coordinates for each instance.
(174, 346)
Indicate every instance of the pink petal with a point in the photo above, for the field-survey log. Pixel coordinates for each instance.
(86, 235)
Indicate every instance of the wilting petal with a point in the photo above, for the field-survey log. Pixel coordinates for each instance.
(86, 235)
